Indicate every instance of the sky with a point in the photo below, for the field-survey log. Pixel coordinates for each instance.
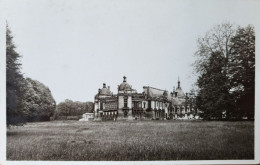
(73, 47)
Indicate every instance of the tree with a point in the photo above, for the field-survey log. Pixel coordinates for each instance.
(213, 98)
(39, 104)
(26, 99)
(242, 70)
(14, 83)
(215, 45)
(234, 51)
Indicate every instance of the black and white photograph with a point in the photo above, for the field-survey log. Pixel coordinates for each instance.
(129, 81)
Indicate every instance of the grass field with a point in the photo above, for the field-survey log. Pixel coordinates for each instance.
(131, 140)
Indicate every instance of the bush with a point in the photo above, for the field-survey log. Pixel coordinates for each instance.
(39, 105)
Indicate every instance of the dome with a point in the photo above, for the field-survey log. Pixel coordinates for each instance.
(165, 93)
(180, 93)
(124, 86)
(105, 90)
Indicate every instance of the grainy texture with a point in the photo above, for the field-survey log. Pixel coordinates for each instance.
(131, 140)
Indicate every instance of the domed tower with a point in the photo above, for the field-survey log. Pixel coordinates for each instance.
(125, 93)
(99, 102)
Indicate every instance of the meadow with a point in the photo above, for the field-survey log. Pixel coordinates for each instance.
(131, 140)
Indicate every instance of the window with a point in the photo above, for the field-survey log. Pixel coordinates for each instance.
(125, 101)
(101, 106)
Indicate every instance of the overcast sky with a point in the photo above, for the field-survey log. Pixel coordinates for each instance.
(74, 46)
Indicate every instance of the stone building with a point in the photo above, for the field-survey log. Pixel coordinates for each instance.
(152, 103)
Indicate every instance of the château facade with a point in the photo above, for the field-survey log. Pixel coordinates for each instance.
(151, 104)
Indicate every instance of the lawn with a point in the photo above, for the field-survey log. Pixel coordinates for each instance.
(131, 140)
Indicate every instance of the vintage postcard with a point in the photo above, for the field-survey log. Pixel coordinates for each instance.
(129, 81)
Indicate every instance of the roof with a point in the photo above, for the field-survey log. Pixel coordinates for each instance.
(124, 86)
(180, 93)
(105, 91)
(154, 92)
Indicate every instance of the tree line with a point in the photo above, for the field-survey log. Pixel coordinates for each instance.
(73, 108)
(225, 64)
(29, 100)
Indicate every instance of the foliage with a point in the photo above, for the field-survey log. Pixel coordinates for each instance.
(242, 70)
(26, 99)
(226, 67)
(39, 104)
(70, 108)
(14, 83)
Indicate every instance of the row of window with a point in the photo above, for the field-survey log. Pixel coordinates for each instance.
(159, 104)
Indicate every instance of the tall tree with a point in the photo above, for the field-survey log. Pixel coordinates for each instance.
(215, 45)
(14, 83)
(213, 98)
(242, 70)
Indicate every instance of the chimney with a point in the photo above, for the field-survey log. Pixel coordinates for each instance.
(124, 79)
(99, 90)
(104, 85)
